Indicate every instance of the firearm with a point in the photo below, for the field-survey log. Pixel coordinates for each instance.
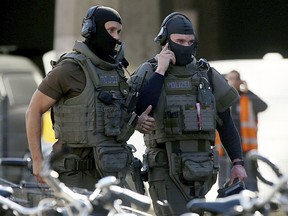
(129, 116)
(135, 169)
(228, 190)
(145, 168)
(132, 98)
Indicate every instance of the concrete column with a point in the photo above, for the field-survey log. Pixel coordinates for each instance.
(68, 18)
(141, 24)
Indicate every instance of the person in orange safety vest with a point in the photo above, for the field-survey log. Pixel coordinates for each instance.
(245, 115)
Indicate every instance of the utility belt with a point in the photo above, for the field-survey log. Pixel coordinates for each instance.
(188, 145)
(107, 160)
(76, 159)
(79, 165)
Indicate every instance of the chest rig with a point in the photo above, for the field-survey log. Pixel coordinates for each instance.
(186, 108)
(99, 114)
(185, 125)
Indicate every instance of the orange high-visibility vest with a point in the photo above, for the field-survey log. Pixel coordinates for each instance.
(218, 144)
(248, 126)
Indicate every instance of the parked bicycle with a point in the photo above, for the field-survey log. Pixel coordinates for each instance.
(107, 199)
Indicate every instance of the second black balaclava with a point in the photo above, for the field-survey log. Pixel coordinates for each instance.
(102, 43)
(181, 25)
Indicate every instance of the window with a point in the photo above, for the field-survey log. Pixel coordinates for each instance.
(20, 87)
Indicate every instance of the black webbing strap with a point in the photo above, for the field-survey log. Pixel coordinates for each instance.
(74, 164)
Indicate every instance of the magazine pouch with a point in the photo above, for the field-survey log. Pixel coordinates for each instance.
(197, 166)
(112, 160)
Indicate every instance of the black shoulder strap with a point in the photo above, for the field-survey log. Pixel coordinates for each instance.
(153, 62)
(210, 78)
(203, 64)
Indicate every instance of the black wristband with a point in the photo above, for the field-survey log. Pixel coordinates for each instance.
(238, 163)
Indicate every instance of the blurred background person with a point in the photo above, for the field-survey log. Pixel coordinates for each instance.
(245, 115)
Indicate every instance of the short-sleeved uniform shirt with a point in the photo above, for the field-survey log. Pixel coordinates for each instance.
(66, 80)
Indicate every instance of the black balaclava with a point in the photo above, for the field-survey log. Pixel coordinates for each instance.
(102, 43)
(180, 25)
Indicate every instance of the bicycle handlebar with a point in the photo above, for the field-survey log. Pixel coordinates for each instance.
(17, 162)
(25, 210)
(132, 197)
(253, 156)
(275, 188)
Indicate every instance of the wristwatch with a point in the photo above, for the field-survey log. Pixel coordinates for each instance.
(241, 162)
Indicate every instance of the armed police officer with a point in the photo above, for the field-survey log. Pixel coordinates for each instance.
(91, 105)
(190, 101)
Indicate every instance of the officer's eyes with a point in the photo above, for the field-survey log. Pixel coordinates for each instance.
(113, 31)
(184, 42)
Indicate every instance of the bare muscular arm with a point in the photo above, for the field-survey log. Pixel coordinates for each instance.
(39, 104)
